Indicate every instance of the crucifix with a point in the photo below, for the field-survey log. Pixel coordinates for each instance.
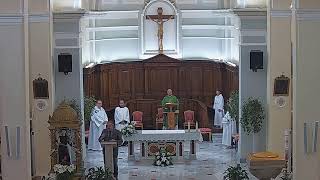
(160, 19)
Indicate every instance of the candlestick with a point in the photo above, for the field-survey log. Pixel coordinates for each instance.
(197, 125)
(189, 126)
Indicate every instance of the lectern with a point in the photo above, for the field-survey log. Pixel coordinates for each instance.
(108, 154)
(171, 115)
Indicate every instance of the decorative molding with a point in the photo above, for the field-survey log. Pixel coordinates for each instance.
(253, 32)
(280, 13)
(186, 1)
(192, 27)
(307, 14)
(72, 16)
(198, 14)
(206, 37)
(113, 28)
(38, 18)
(66, 35)
(11, 19)
(132, 2)
(253, 44)
(67, 47)
(113, 39)
(112, 15)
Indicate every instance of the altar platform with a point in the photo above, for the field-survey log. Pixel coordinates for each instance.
(173, 140)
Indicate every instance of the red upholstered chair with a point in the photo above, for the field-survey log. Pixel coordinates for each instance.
(137, 119)
(159, 118)
(189, 117)
(207, 131)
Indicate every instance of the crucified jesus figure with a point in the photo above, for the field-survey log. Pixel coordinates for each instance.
(160, 19)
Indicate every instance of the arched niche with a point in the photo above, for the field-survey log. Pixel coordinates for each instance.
(149, 30)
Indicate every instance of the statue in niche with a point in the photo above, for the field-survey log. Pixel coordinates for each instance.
(160, 19)
(64, 147)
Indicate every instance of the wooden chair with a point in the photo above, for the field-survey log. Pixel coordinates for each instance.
(159, 118)
(189, 117)
(137, 119)
(207, 131)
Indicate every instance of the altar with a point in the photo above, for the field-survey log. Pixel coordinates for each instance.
(173, 140)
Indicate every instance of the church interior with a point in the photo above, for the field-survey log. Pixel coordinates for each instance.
(219, 89)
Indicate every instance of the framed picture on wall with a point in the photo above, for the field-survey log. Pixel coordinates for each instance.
(281, 86)
(40, 89)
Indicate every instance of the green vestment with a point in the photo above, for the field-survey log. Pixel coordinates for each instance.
(169, 99)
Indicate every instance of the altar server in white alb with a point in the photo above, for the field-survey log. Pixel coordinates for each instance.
(218, 109)
(98, 122)
(229, 129)
(121, 116)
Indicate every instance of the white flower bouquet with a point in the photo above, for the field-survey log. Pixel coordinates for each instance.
(64, 172)
(129, 130)
(163, 158)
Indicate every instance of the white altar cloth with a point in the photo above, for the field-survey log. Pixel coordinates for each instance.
(162, 131)
(150, 140)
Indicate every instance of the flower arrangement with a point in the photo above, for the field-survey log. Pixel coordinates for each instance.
(129, 130)
(163, 158)
(64, 172)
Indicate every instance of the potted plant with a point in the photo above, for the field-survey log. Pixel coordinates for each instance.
(99, 173)
(233, 107)
(252, 118)
(235, 173)
(285, 175)
(89, 103)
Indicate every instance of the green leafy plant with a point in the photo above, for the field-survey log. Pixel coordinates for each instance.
(99, 173)
(285, 175)
(252, 116)
(233, 105)
(74, 105)
(89, 103)
(235, 173)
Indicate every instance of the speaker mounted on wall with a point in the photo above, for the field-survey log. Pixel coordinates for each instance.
(65, 63)
(256, 60)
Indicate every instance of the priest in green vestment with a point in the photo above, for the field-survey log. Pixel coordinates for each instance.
(169, 98)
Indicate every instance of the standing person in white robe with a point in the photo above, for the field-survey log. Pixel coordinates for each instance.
(229, 128)
(218, 109)
(121, 116)
(98, 122)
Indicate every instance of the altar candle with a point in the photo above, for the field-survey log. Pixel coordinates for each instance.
(188, 126)
(196, 125)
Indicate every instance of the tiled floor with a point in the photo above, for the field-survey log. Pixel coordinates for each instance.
(212, 160)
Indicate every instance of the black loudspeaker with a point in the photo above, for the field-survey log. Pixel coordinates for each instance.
(256, 60)
(65, 63)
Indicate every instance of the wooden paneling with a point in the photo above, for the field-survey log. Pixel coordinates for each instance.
(144, 83)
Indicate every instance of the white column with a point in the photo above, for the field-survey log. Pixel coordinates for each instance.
(14, 91)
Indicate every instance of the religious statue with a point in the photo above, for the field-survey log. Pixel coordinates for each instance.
(160, 19)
